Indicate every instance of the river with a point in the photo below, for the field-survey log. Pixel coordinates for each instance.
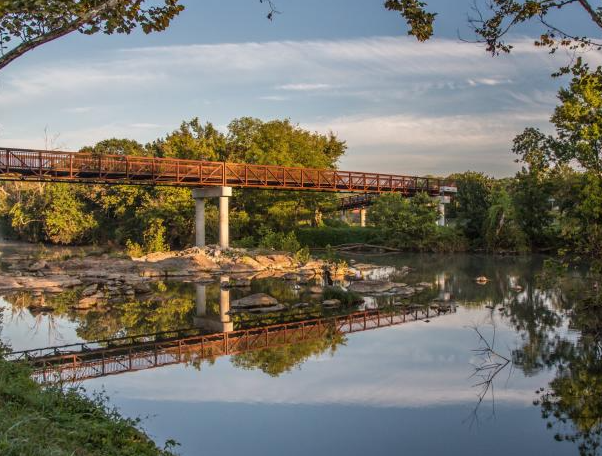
(497, 376)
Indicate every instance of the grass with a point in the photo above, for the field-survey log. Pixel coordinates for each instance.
(36, 421)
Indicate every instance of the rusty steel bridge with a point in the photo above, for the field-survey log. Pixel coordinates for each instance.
(52, 166)
(83, 361)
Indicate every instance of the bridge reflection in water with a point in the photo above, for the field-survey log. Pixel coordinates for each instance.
(210, 339)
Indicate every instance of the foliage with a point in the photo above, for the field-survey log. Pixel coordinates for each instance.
(410, 223)
(472, 203)
(36, 421)
(333, 236)
(347, 298)
(278, 360)
(280, 241)
(157, 218)
(501, 228)
(25, 25)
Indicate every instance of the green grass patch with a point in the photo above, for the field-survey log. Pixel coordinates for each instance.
(36, 421)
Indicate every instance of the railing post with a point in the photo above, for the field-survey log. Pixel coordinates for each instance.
(40, 163)
(71, 166)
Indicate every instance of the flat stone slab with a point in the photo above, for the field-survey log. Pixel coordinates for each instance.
(254, 300)
(371, 286)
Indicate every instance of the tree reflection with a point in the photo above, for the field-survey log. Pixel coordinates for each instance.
(572, 402)
(278, 360)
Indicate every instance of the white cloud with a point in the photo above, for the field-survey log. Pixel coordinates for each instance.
(412, 104)
(304, 87)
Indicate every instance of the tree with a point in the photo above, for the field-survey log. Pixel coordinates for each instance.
(27, 24)
(472, 203)
(115, 146)
(409, 223)
(501, 229)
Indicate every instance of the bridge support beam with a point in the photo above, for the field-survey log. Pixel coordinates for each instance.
(209, 322)
(200, 195)
(443, 200)
(363, 217)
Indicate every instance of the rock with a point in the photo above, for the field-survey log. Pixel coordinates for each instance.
(96, 273)
(89, 301)
(371, 271)
(37, 266)
(330, 303)
(371, 286)
(517, 288)
(203, 263)
(142, 287)
(481, 280)
(301, 305)
(178, 273)
(90, 290)
(240, 282)
(405, 292)
(263, 310)
(255, 300)
(316, 289)
(9, 283)
(251, 263)
(424, 285)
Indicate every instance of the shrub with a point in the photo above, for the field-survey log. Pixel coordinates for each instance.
(323, 236)
(347, 298)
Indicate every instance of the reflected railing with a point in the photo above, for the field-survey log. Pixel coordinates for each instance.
(83, 361)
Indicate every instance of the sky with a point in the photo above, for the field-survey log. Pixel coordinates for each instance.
(345, 66)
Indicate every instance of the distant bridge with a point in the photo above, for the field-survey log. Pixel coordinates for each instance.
(77, 362)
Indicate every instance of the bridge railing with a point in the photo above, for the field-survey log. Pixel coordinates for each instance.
(27, 164)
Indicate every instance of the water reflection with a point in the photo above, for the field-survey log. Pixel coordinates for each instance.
(550, 332)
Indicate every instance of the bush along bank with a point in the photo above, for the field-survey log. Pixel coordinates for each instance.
(42, 421)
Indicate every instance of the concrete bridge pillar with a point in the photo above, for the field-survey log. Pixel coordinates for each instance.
(201, 300)
(200, 195)
(224, 307)
(443, 200)
(363, 217)
(211, 322)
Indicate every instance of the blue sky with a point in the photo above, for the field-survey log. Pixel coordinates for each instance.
(340, 65)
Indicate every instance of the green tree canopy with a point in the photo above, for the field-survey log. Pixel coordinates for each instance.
(27, 24)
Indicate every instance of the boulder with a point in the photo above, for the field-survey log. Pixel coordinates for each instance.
(38, 266)
(90, 290)
(263, 310)
(300, 305)
(331, 303)
(255, 300)
(316, 289)
(9, 283)
(371, 286)
(251, 263)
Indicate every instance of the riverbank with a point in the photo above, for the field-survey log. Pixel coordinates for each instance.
(37, 421)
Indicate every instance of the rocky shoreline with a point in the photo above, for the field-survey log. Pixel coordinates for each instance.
(103, 279)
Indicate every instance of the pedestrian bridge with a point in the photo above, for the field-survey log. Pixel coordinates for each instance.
(212, 179)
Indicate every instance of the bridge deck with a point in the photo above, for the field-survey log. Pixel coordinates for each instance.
(78, 362)
(37, 165)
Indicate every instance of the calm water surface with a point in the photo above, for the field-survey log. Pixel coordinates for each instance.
(418, 388)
